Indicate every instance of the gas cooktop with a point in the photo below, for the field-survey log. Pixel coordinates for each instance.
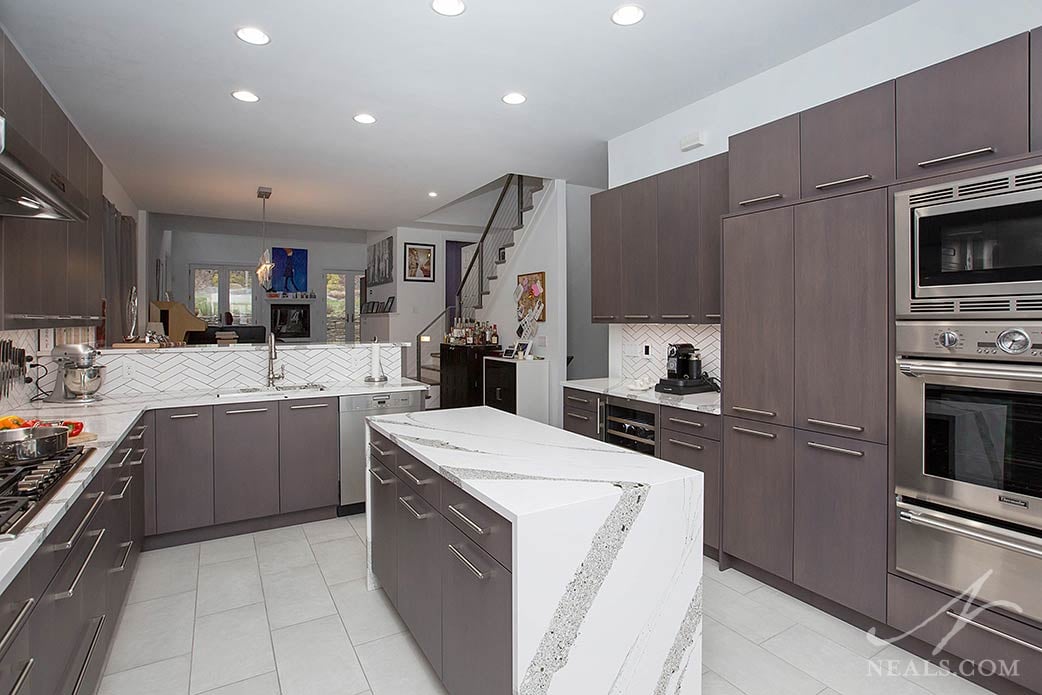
(25, 486)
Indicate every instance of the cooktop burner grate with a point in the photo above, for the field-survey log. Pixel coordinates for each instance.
(28, 485)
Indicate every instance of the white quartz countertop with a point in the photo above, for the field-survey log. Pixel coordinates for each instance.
(701, 402)
(521, 467)
(111, 419)
(250, 347)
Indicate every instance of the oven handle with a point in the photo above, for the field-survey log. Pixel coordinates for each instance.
(1007, 540)
(1011, 373)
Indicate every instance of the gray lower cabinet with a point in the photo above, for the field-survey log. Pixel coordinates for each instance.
(184, 469)
(764, 165)
(309, 454)
(840, 494)
(702, 455)
(16, 656)
(383, 501)
(420, 558)
(143, 438)
(584, 422)
(246, 461)
(477, 621)
(758, 494)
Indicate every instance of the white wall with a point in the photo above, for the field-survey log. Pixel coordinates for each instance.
(587, 341)
(543, 247)
(920, 35)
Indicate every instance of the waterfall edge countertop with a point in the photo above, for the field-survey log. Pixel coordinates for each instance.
(112, 419)
(606, 547)
(701, 402)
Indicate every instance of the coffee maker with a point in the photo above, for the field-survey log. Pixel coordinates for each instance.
(684, 372)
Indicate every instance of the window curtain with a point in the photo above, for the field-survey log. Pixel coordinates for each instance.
(120, 272)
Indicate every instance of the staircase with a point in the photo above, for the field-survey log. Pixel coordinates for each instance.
(482, 262)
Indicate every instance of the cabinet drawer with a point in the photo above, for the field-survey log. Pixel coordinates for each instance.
(383, 500)
(584, 422)
(482, 525)
(420, 477)
(691, 422)
(927, 615)
(55, 549)
(702, 455)
(16, 614)
(581, 400)
(420, 533)
(383, 449)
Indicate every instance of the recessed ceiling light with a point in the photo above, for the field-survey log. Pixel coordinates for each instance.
(245, 95)
(365, 119)
(29, 203)
(253, 36)
(433, 194)
(628, 15)
(515, 98)
(448, 8)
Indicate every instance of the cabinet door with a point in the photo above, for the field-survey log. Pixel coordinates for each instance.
(1036, 89)
(638, 278)
(842, 300)
(420, 532)
(119, 554)
(23, 266)
(701, 455)
(850, 143)
(23, 96)
(964, 111)
(95, 259)
(55, 135)
(16, 605)
(383, 499)
(758, 484)
(605, 250)
(758, 315)
(678, 245)
(184, 469)
(54, 282)
(246, 461)
(764, 164)
(143, 438)
(501, 385)
(309, 454)
(841, 503)
(477, 629)
(713, 204)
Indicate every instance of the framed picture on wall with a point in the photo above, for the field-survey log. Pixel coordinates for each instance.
(379, 269)
(419, 262)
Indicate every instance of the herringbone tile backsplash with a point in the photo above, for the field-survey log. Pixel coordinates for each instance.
(705, 337)
(20, 393)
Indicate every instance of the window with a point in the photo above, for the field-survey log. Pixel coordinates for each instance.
(220, 289)
(343, 305)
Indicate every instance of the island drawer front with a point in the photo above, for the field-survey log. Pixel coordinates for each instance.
(582, 400)
(418, 476)
(691, 422)
(481, 524)
(382, 448)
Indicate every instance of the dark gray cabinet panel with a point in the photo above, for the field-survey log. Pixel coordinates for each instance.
(605, 258)
(419, 477)
(143, 438)
(850, 143)
(758, 494)
(477, 620)
(764, 164)
(309, 454)
(23, 96)
(581, 421)
(638, 279)
(964, 111)
(55, 134)
(702, 455)
(420, 557)
(1035, 72)
(758, 316)
(245, 461)
(841, 503)
(54, 281)
(16, 605)
(842, 301)
(678, 245)
(383, 500)
(713, 203)
(582, 400)
(23, 272)
(184, 469)
(95, 259)
(501, 385)
(690, 422)
(481, 524)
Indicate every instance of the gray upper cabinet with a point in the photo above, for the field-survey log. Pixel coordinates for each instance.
(850, 143)
(246, 461)
(713, 204)
(964, 111)
(184, 469)
(55, 138)
(309, 454)
(764, 165)
(842, 301)
(638, 279)
(605, 263)
(678, 247)
(758, 339)
(23, 96)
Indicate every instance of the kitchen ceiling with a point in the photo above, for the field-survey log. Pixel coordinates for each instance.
(149, 86)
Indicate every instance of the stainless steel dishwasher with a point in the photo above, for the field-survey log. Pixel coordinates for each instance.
(353, 412)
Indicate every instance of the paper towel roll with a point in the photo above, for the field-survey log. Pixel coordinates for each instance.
(376, 370)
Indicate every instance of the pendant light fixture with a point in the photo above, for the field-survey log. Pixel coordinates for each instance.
(264, 265)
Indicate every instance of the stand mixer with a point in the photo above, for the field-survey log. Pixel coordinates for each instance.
(79, 375)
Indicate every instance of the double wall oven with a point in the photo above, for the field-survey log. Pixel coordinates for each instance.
(968, 430)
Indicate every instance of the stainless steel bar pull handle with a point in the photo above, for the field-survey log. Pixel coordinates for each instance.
(712, 316)
(245, 411)
(126, 455)
(577, 399)
(843, 182)
(15, 626)
(309, 407)
(604, 318)
(140, 434)
(99, 498)
(468, 521)
(22, 677)
(687, 445)
(755, 433)
(467, 563)
(413, 478)
(1012, 372)
(837, 425)
(992, 631)
(761, 199)
(676, 316)
(578, 417)
(184, 416)
(123, 492)
(71, 591)
(380, 451)
(836, 449)
(600, 415)
(129, 545)
(141, 460)
(754, 411)
(381, 480)
(1015, 544)
(405, 503)
(636, 316)
(961, 155)
(689, 423)
(90, 655)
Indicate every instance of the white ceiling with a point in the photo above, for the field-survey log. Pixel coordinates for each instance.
(148, 84)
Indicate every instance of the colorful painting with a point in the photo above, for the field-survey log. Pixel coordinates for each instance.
(290, 273)
(379, 268)
(531, 294)
(419, 262)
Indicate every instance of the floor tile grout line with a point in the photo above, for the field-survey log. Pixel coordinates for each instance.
(195, 617)
(248, 678)
(267, 618)
(150, 663)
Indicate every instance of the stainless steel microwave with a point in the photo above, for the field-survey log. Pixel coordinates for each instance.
(971, 248)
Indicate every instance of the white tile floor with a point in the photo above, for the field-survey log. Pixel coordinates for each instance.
(287, 612)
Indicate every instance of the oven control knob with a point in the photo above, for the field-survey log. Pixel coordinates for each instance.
(1013, 341)
(948, 339)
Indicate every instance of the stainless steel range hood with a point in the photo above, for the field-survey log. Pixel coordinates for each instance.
(30, 186)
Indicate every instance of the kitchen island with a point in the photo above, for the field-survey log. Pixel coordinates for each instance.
(528, 559)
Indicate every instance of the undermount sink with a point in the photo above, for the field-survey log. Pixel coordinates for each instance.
(270, 389)
(301, 387)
